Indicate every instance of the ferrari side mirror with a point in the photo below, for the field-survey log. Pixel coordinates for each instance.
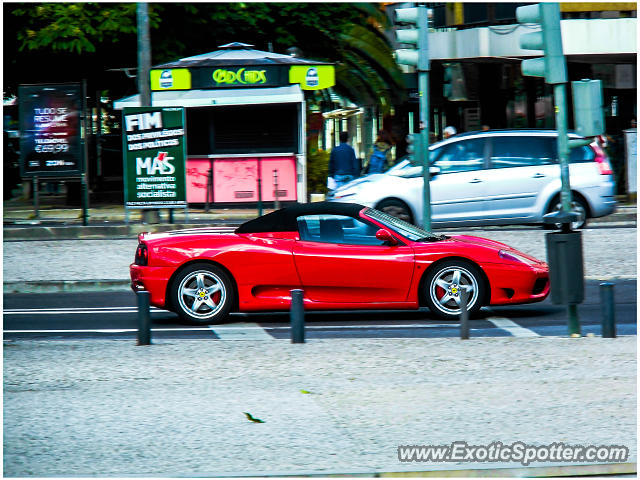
(384, 236)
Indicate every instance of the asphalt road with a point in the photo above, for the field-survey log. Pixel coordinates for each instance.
(114, 316)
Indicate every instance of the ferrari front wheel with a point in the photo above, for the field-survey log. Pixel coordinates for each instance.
(445, 283)
(202, 294)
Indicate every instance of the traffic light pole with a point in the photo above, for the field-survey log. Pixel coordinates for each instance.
(559, 92)
(424, 62)
(419, 16)
(423, 83)
(560, 95)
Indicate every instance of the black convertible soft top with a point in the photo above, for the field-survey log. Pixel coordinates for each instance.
(285, 219)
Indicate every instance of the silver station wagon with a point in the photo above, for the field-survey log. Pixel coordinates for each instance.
(496, 177)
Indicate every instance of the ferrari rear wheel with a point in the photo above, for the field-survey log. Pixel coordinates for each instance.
(202, 294)
(445, 283)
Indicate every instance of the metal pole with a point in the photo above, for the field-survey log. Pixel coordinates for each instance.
(560, 91)
(144, 54)
(560, 94)
(574, 321)
(423, 87)
(297, 316)
(464, 316)
(608, 310)
(275, 189)
(259, 195)
(144, 320)
(84, 189)
(36, 200)
(98, 134)
(209, 186)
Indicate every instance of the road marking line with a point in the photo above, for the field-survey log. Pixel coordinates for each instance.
(512, 327)
(240, 331)
(64, 311)
(109, 330)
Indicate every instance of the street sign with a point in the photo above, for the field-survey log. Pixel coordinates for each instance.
(50, 133)
(154, 152)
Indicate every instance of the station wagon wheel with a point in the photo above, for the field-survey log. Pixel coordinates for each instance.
(577, 205)
(202, 294)
(396, 208)
(444, 284)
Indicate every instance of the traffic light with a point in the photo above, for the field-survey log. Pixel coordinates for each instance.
(418, 16)
(552, 66)
(414, 149)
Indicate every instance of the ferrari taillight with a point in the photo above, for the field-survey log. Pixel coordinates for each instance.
(142, 255)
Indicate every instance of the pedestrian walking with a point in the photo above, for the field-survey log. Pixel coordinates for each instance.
(379, 157)
(343, 164)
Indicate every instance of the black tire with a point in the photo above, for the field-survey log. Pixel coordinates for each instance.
(396, 208)
(207, 284)
(577, 204)
(441, 282)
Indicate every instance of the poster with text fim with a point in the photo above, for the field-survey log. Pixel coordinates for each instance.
(154, 149)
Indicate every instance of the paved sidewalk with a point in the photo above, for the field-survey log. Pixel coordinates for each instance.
(175, 408)
(108, 221)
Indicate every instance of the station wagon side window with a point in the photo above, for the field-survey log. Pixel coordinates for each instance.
(522, 151)
(462, 156)
(337, 229)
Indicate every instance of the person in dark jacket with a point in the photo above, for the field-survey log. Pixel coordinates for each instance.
(343, 164)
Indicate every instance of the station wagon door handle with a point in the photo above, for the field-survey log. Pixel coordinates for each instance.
(539, 175)
(475, 180)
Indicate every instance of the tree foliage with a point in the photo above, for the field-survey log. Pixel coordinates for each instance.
(72, 27)
(90, 38)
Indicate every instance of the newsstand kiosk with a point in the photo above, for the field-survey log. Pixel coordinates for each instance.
(245, 121)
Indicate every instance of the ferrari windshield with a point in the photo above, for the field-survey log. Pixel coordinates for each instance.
(413, 233)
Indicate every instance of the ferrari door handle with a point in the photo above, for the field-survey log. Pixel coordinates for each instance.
(539, 175)
(475, 180)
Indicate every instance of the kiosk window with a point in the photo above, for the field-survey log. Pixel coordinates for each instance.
(242, 129)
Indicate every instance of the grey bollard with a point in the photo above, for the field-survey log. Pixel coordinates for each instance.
(144, 318)
(464, 316)
(297, 316)
(608, 310)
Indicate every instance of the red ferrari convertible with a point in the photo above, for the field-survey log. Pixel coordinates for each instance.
(343, 255)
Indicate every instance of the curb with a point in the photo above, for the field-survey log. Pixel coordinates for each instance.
(68, 286)
(554, 470)
(91, 232)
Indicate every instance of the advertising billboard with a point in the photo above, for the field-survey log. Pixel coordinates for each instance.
(154, 153)
(50, 133)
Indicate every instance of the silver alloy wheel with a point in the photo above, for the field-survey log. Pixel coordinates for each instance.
(576, 207)
(202, 294)
(445, 288)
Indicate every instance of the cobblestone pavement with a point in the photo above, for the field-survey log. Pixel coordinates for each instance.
(176, 408)
(608, 253)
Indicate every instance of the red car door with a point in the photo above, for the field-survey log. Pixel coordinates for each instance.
(339, 260)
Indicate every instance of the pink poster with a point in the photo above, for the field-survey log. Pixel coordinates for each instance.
(197, 169)
(282, 168)
(235, 180)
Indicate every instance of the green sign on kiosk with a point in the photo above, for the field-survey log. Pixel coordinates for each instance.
(154, 157)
